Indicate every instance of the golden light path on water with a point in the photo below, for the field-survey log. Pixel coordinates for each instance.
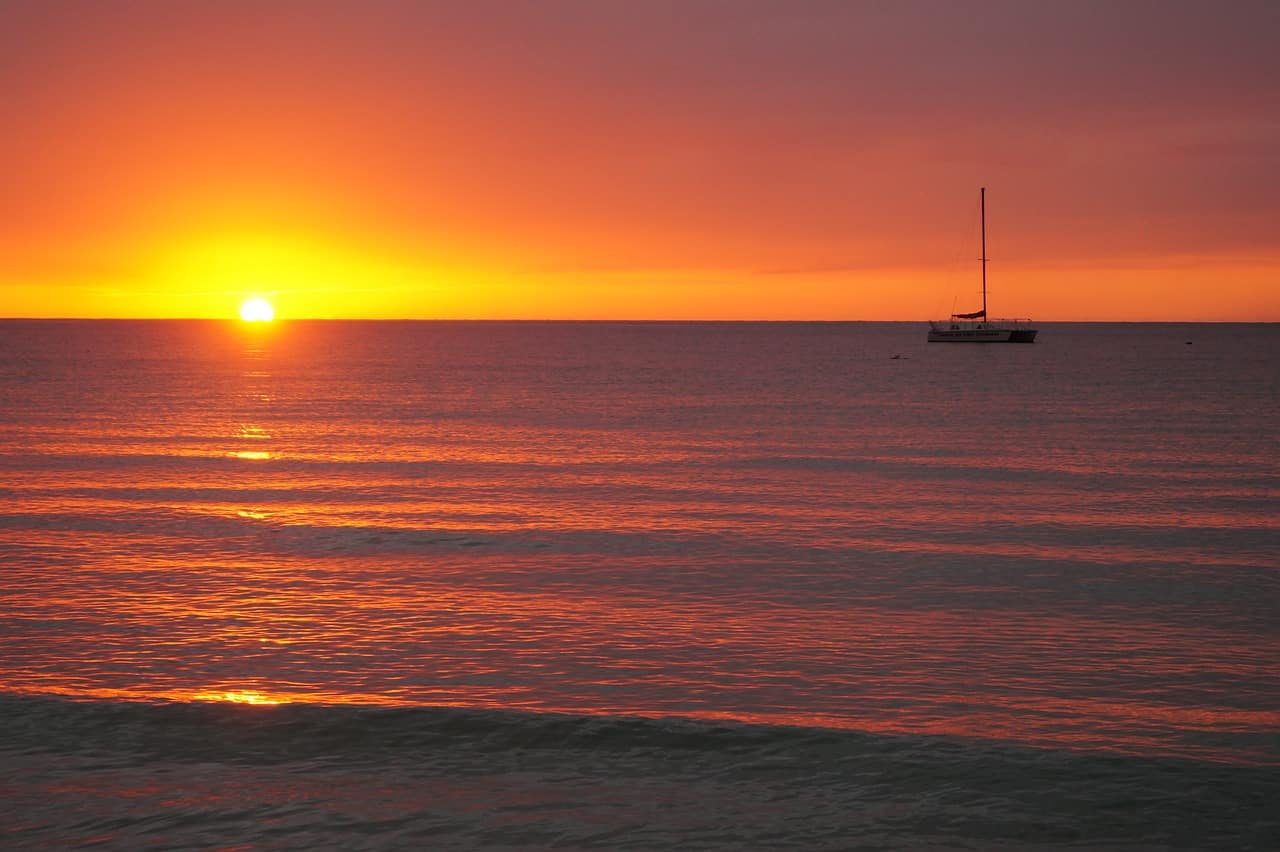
(239, 696)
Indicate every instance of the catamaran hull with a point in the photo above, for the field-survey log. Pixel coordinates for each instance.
(982, 335)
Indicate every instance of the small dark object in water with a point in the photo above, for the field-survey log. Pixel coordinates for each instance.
(1188, 342)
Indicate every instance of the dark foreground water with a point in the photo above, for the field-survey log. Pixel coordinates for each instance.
(298, 776)
(638, 585)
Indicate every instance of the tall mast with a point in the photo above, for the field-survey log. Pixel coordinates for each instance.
(982, 200)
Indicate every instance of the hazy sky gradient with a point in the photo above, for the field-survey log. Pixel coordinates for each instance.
(617, 159)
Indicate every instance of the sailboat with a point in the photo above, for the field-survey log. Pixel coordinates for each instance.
(975, 327)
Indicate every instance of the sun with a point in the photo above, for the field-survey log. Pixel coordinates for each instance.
(257, 310)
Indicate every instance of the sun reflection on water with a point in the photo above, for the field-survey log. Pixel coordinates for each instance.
(239, 696)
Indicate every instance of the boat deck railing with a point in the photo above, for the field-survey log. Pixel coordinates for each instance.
(994, 323)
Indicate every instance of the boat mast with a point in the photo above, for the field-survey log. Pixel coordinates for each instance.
(982, 201)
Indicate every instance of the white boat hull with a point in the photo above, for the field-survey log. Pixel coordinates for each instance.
(981, 334)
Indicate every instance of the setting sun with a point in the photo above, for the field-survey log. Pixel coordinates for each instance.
(257, 310)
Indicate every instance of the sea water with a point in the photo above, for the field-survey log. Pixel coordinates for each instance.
(638, 585)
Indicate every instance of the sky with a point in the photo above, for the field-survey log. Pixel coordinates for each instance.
(605, 159)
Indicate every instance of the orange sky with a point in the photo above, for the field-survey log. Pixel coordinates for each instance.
(600, 159)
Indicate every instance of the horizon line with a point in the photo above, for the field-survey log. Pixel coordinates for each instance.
(649, 320)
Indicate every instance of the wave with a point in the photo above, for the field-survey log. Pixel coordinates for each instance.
(219, 729)
(133, 773)
(256, 525)
(201, 730)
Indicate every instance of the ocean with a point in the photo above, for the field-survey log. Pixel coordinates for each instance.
(457, 585)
